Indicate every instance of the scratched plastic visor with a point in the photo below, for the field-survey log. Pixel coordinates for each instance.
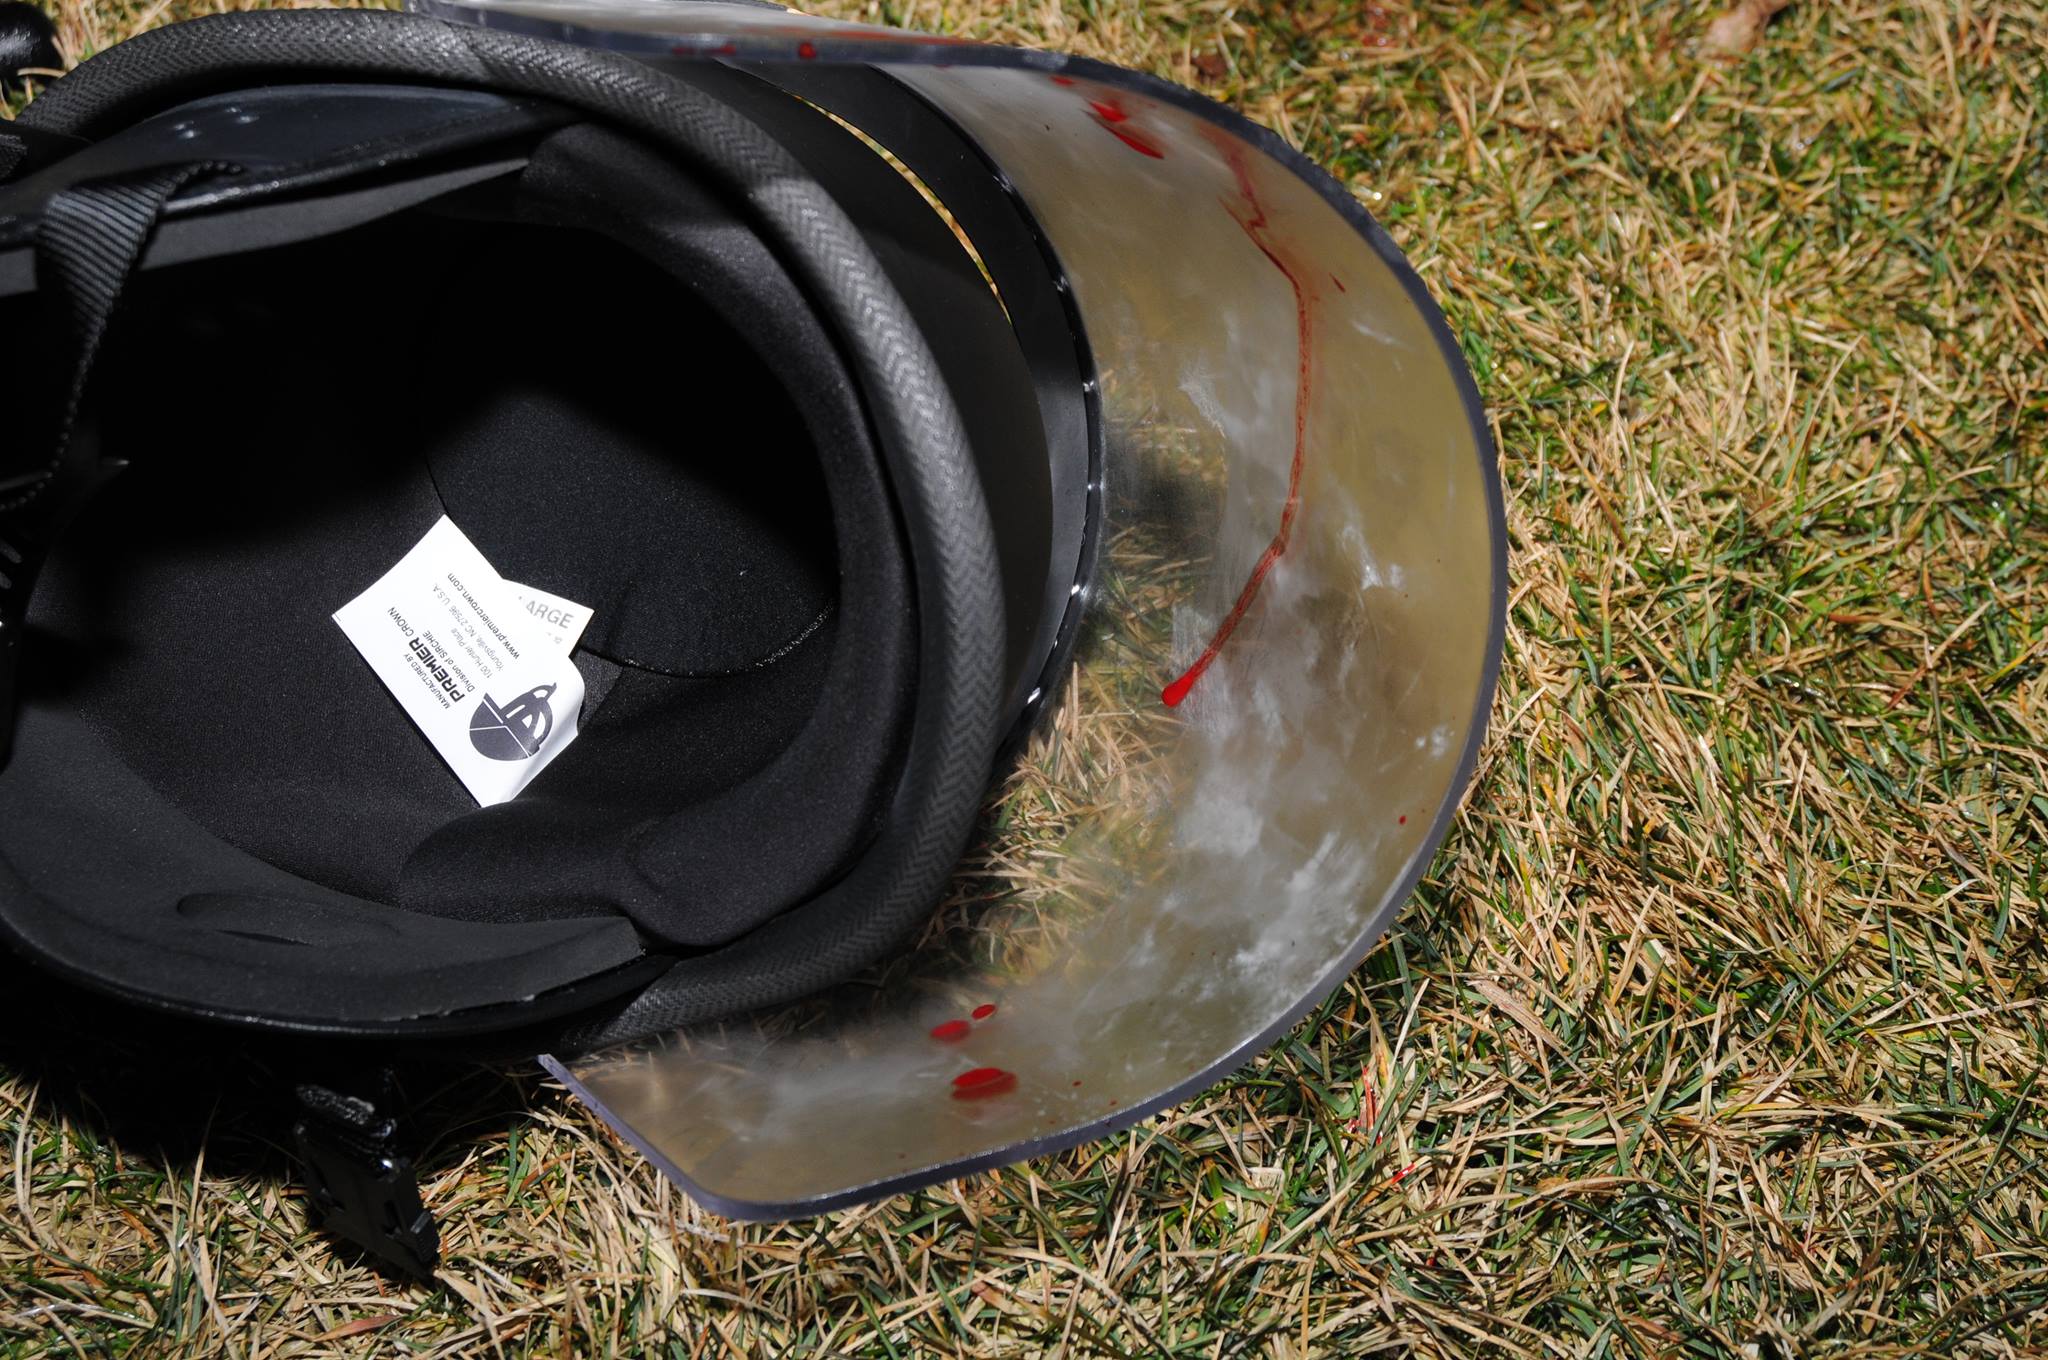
(1286, 650)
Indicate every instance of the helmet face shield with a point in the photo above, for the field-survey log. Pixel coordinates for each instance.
(1283, 656)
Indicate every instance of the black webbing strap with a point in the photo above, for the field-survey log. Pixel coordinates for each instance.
(87, 245)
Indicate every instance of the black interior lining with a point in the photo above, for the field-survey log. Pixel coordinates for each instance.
(99, 880)
(603, 422)
(789, 645)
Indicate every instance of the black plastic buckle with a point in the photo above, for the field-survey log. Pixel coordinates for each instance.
(359, 1181)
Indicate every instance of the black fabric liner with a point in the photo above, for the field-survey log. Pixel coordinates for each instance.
(603, 428)
(100, 876)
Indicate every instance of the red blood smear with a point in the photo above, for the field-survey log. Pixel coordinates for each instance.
(1252, 217)
(1110, 114)
(952, 1029)
(983, 1012)
(1137, 143)
(983, 1081)
(1340, 284)
(1404, 821)
(1062, 80)
(807, 52)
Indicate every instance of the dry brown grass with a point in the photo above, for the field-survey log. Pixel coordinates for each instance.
(1718, 1028)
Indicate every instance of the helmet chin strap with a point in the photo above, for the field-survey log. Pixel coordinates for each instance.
(87, 245)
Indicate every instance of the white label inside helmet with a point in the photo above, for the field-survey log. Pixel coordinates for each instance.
(480, 664)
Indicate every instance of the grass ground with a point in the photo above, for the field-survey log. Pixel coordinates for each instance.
(1717, 1028)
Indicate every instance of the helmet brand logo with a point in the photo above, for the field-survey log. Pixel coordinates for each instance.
(515, 730)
